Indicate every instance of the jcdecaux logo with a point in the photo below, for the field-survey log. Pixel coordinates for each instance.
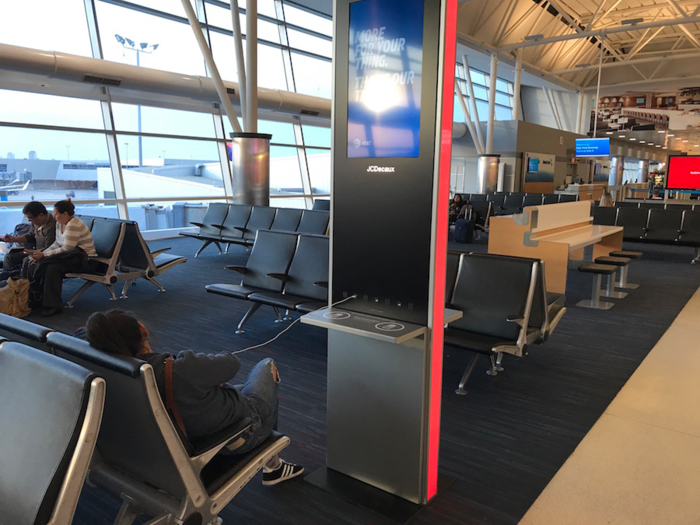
(381, 169)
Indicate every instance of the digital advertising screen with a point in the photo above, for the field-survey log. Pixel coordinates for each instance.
(592, 147)
(384, 78)
(683, 173)
(533, 165)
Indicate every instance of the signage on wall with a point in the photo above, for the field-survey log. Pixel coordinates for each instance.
(384, 78)
(592, 147)
(540, 168)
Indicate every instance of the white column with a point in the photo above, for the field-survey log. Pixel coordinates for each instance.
(468, 121)
(516, 84)
(579, 113)
(492, 104)
(238, 49)
(251, 52)
(472, 99)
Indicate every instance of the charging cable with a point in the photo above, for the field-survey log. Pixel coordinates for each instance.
(292, 324)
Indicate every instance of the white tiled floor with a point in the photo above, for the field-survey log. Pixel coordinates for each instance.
(640, 463)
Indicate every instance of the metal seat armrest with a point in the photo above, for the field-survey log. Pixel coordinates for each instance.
(517, 319)
(197, 224)
(239, 269)
(220, 226)
(240, 228)
(323, 284)
(158, 252)
(211, 445)
(279, 276)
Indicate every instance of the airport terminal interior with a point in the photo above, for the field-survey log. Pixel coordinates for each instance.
(530, 267)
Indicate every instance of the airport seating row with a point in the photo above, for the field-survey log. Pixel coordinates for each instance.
(657, 205)
(124, 255)
(516, 312)
(669, 226)
(140, 456)
(285, 271)
(239, 223)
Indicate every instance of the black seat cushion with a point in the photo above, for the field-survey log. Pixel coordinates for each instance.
(604, 269)
(166, 258)
(473, 341)
(627, 254)
(224, 466)
(615, 261)
(277, 299)
(311, 306)
(232, 290)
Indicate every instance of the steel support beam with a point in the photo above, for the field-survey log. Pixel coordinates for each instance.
(209, 59)
(516, 84)
(607, 65)
(603, 32)
(468, 121)
(238, 52)
(472, 100)
(251, 54)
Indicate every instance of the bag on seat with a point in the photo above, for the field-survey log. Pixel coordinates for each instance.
(14, 298)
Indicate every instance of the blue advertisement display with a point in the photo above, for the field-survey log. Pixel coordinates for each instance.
(384, 78)
(533, 165)
(592, 147)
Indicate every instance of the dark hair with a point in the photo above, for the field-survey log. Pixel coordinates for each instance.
(65, 206)
(34, 208)
(455, 197)
(115, 332)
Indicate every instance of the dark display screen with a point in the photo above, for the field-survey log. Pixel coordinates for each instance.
(384, 78)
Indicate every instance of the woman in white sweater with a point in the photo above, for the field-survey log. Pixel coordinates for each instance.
(68, 254)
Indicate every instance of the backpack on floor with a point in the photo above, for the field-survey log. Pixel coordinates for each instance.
(464, 231)
(14, 298)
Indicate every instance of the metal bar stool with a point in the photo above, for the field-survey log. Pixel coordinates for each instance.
(598, 270)
(618, 262)
(623, 270)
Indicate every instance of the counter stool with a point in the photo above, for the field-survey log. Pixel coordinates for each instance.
(623, 270)
(598, 270)
(619, 262)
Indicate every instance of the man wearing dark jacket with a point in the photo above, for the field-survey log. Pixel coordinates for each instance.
(42, 231)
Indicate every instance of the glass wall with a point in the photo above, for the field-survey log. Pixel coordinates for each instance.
(154, 159)
(481, 83)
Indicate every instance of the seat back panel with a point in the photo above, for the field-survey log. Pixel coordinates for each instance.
(314, 222)
(105, 234)
(216, 214)
(260, 219)
(271, 253)
(286, 220)
(309, 265)
(236, 219)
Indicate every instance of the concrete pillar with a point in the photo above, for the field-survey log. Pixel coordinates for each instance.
(487, 173)
(644, 170)
(251, 168)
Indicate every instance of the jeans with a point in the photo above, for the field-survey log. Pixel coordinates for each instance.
(260, 391)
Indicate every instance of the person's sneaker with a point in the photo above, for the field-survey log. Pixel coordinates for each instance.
(282, 473)
(50, 312)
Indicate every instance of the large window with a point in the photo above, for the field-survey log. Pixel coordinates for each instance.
(481, 85)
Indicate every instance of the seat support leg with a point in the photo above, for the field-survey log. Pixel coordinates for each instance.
(85, 286)
(228, 247)
(499, 358)
(279, 316)
(156, 284)
(287, 317)
(126, 515)
(697, 256)
(465, 377)
(248, 315)
(623, 280)
(595, 301)
(127, 283)
(201, 248)
(111, 291)
(610, 289)
(493, 371)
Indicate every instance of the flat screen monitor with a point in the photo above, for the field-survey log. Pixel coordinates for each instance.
(683, 173)
(384, 78)
(533, 165)
(640, 100)
(592, 147)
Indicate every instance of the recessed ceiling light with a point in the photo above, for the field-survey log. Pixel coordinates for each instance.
(608, 132)
(642, 141)
(670, 135)
(665, 147)
(658, 145)
(621, 136)
(633, 138)
(697, 145)
(685, 141)
(661, 131)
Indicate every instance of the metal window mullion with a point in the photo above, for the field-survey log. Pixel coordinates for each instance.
(226, 171)
(303, 166)
(286, 51)
(115, 162)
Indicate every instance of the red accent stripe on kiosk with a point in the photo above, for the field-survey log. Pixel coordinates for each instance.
(450, 44)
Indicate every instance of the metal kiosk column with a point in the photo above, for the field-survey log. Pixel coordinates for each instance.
(392, 137)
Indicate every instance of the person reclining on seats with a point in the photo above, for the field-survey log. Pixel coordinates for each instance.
(42, 231)
(206, 402)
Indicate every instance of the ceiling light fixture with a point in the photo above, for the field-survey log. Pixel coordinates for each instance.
(671, 135)
(633, 138)
(686, 140)
(608, 132)
(620, 136)
(583, 65)
(642, 141)
(534, 37)
(661, 131)
(632, 21)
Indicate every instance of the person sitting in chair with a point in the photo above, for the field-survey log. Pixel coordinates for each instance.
(204, 401)
(42, 232)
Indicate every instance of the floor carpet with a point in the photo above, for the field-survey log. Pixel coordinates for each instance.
(502, 442)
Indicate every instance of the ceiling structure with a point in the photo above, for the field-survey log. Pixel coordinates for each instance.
(643, 44)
